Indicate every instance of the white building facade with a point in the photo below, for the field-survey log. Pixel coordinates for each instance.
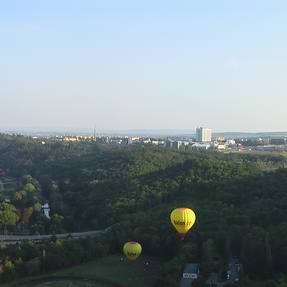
(46, 210)
(203, 134)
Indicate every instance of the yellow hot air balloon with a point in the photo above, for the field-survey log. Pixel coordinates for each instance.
(132, 250)
(182, 219)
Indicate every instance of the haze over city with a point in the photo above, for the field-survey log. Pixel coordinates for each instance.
(143, 65)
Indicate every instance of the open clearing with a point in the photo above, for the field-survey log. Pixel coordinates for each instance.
(111, 271)
(68, 283)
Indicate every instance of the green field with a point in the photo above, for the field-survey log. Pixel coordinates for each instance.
(107, 272)
(67, 283)
(112, 269)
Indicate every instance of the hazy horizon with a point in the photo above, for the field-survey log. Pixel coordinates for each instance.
(166, 131)
(152, 65)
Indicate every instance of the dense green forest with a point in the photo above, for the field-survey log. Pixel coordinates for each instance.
(240, 201)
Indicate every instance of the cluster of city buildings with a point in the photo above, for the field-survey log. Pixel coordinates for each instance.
(202, 139)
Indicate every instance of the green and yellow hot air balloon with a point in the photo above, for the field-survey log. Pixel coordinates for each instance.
(132, 250)
(182, 219)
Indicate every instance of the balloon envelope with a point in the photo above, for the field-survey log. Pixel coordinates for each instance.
(132, 250)
(182, 219)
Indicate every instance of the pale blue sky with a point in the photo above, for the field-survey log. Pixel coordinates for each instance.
(144, 64)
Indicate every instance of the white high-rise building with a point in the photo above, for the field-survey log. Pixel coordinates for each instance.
(203, 134)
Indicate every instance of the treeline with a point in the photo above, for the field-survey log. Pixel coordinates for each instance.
(29, 258)
(21, 209)
(241, 209)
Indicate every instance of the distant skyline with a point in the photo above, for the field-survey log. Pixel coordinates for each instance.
(137, 132)
(126, 65)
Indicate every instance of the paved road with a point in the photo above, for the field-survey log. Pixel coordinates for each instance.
(12, 239)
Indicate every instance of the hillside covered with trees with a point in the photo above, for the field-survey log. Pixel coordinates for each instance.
(240, 202)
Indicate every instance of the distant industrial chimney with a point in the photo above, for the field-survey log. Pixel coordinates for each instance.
(95, 133)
